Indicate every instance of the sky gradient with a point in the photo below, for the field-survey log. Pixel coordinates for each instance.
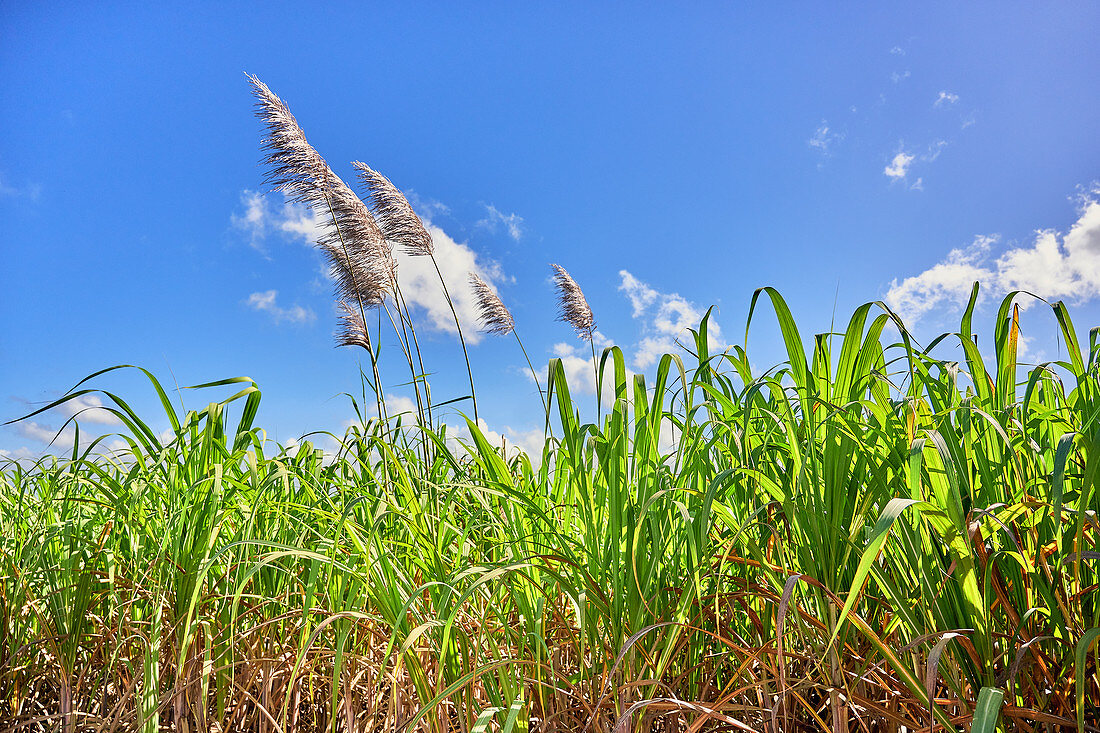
(670, 159)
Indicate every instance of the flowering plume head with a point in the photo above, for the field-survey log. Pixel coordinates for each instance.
(395, 216)
(353, 330)
(573, 306)
(491, 311)
(351, 240)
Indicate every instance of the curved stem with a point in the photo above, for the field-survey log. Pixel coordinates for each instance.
(403, 341)
(458, 326)
(542, 395)
(403, 309)
(379, 397)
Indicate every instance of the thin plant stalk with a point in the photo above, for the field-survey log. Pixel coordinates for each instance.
(379, 396)
(461, 338)
(402, 225)
(403, 340)
(538, 385)
(419, 357)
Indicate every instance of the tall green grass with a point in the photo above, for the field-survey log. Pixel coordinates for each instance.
(869, 536)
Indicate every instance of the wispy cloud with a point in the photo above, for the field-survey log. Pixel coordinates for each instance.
(824, 138)
(22, 454)
(86, 410)
(61, 439)
(934, 149)
(89, 409)
(29, 191)
(945, 99)
(899, 76)
(665, 318)
(265, 302)
(260, 218)
(897, 51)
(1053, 265)
(641, 296)
(495, 219)
(898, 168)
(426, 208)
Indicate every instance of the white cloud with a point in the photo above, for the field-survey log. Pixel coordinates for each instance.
(89, 409)
(530, 441)
(57, 442)
(580, 369)
(899, 166)
(668, 439)
(61, 440)
(396, 404)
(666, 318)
(641, 295)
(260, 218)
(1057, 266)
(420, 283)
(20, 455)
(1052, 266)
(897, 77)
(897, 51)
(949, 281)
(254, 220)
(265, 303)
(945, 99)
(1023, 347)
(509, 439)
(86, 409)
(299, 222)
(824, 138)
(512, 223)
(580, 374)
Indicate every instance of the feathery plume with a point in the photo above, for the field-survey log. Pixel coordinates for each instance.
(359, 258)
(353, 244)
(293, 166)
(491, 311)
(574, 307)
(353, 331)
(395, 216)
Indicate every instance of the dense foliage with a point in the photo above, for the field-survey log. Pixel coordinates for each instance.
(841, 543)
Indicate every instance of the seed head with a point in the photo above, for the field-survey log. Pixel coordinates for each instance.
(491, 311)
(395, 216)
(351, 240)
(573, 305)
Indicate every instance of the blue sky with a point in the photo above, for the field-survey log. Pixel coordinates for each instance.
(670, 159)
